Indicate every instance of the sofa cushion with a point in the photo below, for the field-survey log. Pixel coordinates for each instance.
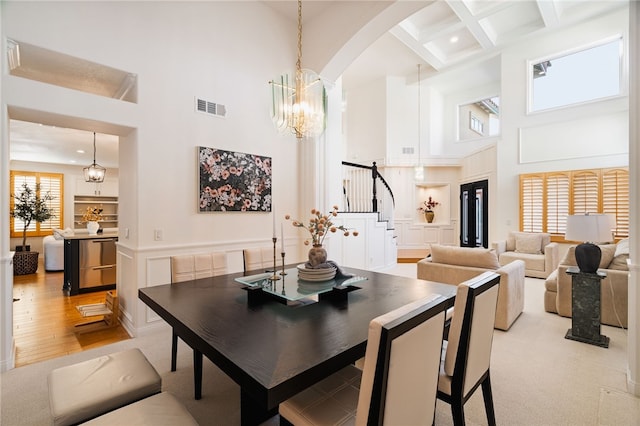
(465, 256)
(529, 243)
(619, 263)
(545, 239)
(532, 262)
(622, 247)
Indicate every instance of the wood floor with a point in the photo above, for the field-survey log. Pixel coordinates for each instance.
(44, 319)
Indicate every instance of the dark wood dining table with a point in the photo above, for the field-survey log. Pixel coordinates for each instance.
(274, 350)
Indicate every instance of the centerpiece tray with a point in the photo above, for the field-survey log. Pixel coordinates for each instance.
(290, 288)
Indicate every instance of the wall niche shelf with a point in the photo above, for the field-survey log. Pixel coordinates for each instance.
(109, 206)
(440, 192)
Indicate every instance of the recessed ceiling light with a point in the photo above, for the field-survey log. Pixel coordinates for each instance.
(80, 151)
(72, 161)
(453, 39)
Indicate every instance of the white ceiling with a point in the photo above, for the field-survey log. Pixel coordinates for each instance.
(480, 27)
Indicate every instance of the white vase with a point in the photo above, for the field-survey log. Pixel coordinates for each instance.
(93, 227)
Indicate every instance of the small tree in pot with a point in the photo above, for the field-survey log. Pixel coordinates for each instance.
(30, 206)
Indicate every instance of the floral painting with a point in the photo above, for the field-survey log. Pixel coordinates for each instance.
(233, 181)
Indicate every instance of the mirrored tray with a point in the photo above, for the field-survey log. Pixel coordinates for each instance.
(290, 288)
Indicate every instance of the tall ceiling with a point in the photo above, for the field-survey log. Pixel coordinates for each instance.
(442, 36)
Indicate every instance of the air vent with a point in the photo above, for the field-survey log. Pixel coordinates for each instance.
(407, 150)
(212, 108)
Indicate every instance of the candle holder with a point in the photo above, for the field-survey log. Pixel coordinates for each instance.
(275, 276)
(283, 272)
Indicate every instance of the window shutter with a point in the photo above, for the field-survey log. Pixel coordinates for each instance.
(557, 196)
(585, 192)
(615, 199)
(49, 182)
(531, 203)
(546, 199)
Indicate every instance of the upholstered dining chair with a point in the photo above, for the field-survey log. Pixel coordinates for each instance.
(466, 354)
(190, 267)
(398, 383)
(258, 258)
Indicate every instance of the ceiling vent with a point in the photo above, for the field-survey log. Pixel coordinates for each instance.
(212, 108)
(407, 150)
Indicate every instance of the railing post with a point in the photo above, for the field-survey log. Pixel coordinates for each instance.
(374, 175)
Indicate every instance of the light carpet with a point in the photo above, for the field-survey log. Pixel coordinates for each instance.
(538, 377)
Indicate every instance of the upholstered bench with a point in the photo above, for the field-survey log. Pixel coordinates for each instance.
(82, 391)
(162, 409)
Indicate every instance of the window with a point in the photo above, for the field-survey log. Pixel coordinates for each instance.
(476, 124)
(578, 77)
(479, 119)
(546, 199)
(49, 182)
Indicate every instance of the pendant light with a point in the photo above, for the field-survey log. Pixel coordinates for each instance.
(299, 106)
(418, 169)
(95, 172)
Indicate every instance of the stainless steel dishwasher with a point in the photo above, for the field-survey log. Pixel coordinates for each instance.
(97, 262)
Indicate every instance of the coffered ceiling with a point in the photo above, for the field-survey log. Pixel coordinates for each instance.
(442, 36)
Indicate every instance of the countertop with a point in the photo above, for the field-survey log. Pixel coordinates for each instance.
(92, 237)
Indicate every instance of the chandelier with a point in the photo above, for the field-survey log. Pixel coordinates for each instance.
(95, 172)
(300, 105)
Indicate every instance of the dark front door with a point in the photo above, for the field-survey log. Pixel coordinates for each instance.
(474, 214)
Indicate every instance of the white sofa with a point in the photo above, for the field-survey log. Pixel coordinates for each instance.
(53, 253)
(454, 265)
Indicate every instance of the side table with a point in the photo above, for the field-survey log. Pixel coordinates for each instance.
(585, 308)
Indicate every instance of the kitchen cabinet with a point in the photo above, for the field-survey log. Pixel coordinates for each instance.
(89, 263)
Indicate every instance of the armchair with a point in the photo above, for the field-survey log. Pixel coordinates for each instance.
(539, 254)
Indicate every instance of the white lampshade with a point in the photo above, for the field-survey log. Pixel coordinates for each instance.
(593, 228)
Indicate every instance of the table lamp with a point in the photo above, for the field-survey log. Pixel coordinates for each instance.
(590, 228)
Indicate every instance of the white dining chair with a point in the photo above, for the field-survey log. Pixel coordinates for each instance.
(467, 352)
(398, 383)
(188, 267)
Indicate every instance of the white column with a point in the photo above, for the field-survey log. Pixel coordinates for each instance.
(633, 344)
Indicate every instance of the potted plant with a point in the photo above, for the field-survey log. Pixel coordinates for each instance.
(427, 209)
(29, 206)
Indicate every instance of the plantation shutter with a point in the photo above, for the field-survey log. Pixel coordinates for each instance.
(557, 196)
(615, 199)
(531, 203)
(585, 192)
(49, 182)
(546, 199)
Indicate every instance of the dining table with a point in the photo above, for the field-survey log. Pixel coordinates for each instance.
(276, 335)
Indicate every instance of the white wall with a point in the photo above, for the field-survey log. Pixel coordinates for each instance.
(174, 63)
(561, 125)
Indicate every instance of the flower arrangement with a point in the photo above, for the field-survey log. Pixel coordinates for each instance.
(92, 214)
(427, 206)
(320, 224)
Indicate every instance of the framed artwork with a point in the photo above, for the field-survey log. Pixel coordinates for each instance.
(233, 181)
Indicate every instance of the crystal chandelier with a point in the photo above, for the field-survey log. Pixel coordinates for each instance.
(95, 172)
(300, 105)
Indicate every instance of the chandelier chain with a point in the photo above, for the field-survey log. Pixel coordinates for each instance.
(299, 61)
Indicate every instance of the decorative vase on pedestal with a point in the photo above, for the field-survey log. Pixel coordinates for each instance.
(429, 215)
(93, 227)
(317, 255)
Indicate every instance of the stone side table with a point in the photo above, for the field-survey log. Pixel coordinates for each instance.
(585, 308)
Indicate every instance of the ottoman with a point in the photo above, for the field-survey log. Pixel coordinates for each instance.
(82, 391)
(162, 409)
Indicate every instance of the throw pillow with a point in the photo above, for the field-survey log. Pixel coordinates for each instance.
(530, 244)
(622, 247)
(58, 234)
(608, 251)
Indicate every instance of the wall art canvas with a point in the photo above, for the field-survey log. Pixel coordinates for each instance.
(233, 181)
